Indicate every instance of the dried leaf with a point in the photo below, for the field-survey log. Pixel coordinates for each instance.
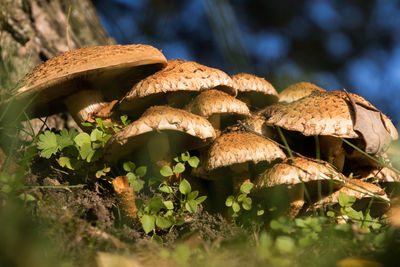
(369, 123)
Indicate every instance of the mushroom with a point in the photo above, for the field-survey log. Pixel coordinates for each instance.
(164, 131)
(236, 150)
(298, 90)
(174, 85)
(218, 107)
(86, 79)
(297, 174)
(328, 115)
(363, 192)
(255, 91)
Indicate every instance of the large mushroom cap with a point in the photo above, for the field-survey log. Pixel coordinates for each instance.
(298, 171)
(178, 76)
(298, 90)
(239, 147)
(196, 131)
(112, 67)
(216, 102)
(260, 92)
(321, 113)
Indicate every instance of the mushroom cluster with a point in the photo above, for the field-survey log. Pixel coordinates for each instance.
(239, 126)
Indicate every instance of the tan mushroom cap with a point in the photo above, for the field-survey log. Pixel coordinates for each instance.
(96, 67)
(321, 113)
(244, 82)
(298, 90)
(240, 147)
(260, 92)
(381, 175)
(302, 170)
(156, 119)
(216, 102)
(355, 188)
(177, 76)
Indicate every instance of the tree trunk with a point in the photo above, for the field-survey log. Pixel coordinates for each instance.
(32, 31)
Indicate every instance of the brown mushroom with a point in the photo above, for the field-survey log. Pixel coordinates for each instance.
(328, 115)
(218, 107)
(174, 85)
(255, 91)
(298, 90)
(86, 79)
(363, 192)
(298, 174)
(164, 131)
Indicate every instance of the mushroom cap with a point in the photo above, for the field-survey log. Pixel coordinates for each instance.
(154, 120)
(299, 171)
(239, 147)
(94, 67)
(297, 91)
(355, 188)
(381, 175)
(177, 76)
(264, 93)
(216, 102)
(321, 113)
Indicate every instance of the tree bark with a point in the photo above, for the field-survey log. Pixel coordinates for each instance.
(32, 31)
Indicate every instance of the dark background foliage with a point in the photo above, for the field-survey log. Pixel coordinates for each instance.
(335, 44)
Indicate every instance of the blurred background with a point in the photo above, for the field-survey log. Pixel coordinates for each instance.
(334, 44)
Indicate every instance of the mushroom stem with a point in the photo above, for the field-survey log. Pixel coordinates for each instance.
(126, 197)
(84, 103)
(240, 174)
(296, 196)
(158, 147)
(215, 121)
(332, 151)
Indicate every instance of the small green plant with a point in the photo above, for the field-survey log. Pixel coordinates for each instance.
(75, 151)
(174, 203)
(348, 213)
(135, 174)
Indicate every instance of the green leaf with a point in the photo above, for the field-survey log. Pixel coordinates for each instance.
(141, 171)
(87, 124)
(48, 144)
(163, 223)
(346, 200)
(192, 195)
(246, 187)
(169, 204)
(129, 166)
(330, 214)
(155, 204)
(66, 138)
(124, 120)
(148, 223)
(184, 187)
(285, 244)
(26, 197)
(179, 168)
(102, 172)
(241, 197)
(235, 207)
(179, 221)
(65, 162)
(157, 239)
(185, 156)
(86, 152)
(137, 185)
(194, 162)
(229, 201)
(166, 171)
(81, 139)
(96, 135)
(176, 159)
(260, 212)
(191, 206)
(201, 199)
(166, 189)
(247, 202)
